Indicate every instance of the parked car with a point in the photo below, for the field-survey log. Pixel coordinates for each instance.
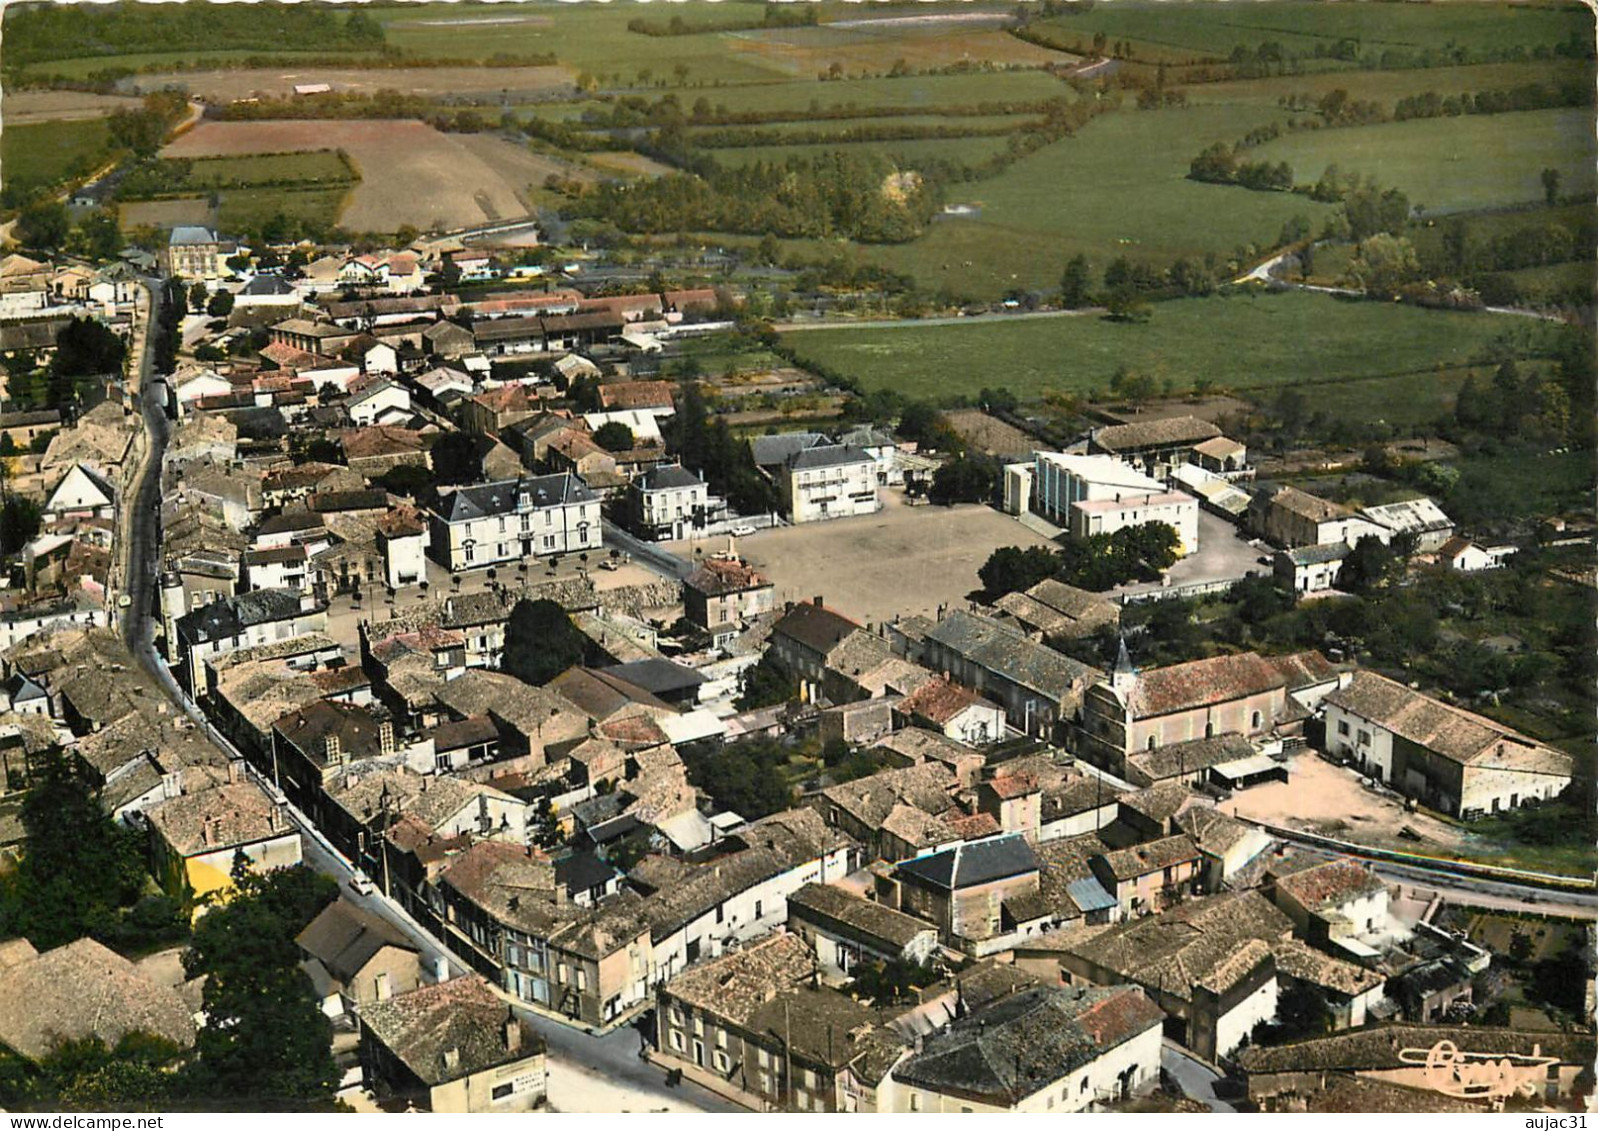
(743, 531)
(360, 885)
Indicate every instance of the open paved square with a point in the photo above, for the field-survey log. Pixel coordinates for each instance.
(904, 559)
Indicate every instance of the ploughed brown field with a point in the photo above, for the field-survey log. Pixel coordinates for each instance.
(410, 173)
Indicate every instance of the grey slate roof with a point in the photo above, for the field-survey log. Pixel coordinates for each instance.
(500, 496)
(188, 234)
(667, 476)
(1028, 1041)
(970, 864)
(1319, 555)
(267, 285)
(826, 455)
(226, 617)
(656, 676)
(769, 451)
(1008, 652)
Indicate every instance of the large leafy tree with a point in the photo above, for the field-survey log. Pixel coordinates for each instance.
(267, 1045)
(78, 867)
(456, 459)
(1011, 569)
(541, 642)
(744, 777)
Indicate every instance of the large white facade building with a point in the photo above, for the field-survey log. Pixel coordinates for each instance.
(829, 481)
(1090, 495)
(512, 519)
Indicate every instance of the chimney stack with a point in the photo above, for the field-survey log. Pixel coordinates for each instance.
(513, 1034)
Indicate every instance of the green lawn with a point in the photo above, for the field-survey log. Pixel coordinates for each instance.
(1454, 164)
(1243, 342)
(48, 153)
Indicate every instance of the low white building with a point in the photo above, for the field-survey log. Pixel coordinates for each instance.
(1310, 569)
(512, 519)
(828, 481)
(1445, 757)
(1421, 518)
(377, 401)
(1465, 556)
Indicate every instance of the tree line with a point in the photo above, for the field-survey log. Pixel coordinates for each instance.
(855, 196)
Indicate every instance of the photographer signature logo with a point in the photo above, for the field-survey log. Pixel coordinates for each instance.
(1480, 1075)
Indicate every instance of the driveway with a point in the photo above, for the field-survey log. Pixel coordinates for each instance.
(1193, 1076)
(1223, 555)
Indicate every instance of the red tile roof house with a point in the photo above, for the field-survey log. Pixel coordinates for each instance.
(955, 711)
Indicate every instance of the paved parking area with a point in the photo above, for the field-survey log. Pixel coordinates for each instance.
(903, 559)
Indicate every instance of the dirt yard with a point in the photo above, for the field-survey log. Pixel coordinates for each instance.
(29, 106)
(410, 173)
(903, 559)
(519, 166)
(1323, 798)
(521, 83)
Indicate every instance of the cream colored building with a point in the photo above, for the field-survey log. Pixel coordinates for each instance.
(453, 1048)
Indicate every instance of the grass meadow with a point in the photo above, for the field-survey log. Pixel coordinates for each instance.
(1248, 342)
(47, 153)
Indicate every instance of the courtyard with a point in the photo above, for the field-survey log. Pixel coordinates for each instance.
(1330, 800)
(902, 560)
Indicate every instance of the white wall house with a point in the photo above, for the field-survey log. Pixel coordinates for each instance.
(512, 519)
(378, 401)
(666, 500)
(80, 494)
(829, 481)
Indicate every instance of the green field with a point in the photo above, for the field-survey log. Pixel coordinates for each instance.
(967, 150)
(246, 209)
(1119, 187)
(905, 93)
(195, 59)
(1211, 30)
(1249, 341)
(49, 153)
(972, 123)
(1387, 87)
(593, 38)
(187, 177)
(1454, 164)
